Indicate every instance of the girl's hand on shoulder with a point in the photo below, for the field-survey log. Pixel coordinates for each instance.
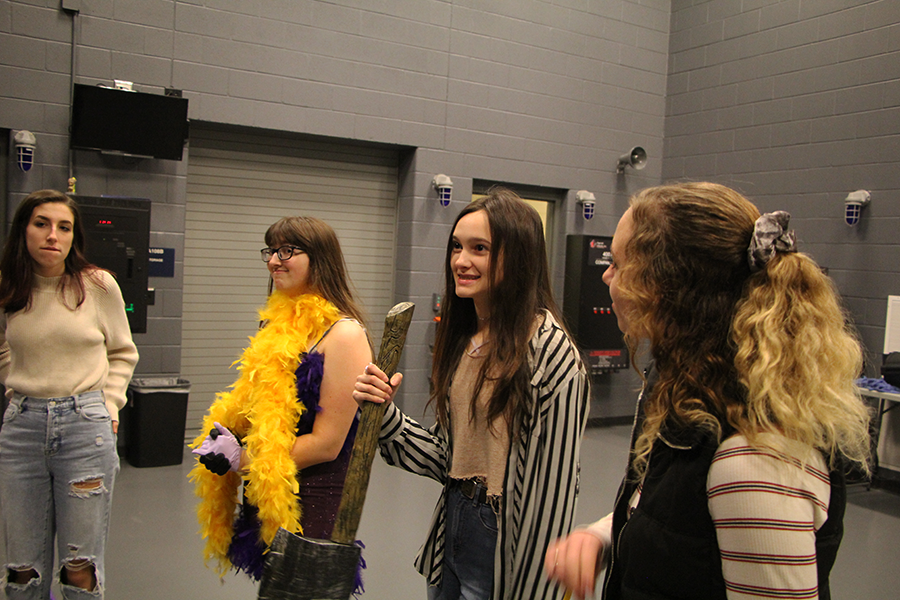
(573, 562)
(373, 386)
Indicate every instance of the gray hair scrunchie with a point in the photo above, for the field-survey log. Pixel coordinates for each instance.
(770, 235)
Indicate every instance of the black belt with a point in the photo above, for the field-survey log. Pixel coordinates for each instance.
(476, 490)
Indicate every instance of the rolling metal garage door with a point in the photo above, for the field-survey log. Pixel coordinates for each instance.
(238, 184)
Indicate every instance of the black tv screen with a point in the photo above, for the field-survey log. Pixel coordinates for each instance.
(133, 123)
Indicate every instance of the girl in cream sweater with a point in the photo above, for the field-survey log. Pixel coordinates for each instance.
(66, 357)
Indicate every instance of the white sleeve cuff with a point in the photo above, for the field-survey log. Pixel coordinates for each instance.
(602, 530)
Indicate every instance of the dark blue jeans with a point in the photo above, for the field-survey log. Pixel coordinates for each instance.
(471, 539)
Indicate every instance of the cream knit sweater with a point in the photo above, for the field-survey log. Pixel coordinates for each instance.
(52, 351)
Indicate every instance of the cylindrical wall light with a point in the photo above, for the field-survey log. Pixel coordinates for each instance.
(444, 188)
(854, 204)
(587, 201)
(25, 143)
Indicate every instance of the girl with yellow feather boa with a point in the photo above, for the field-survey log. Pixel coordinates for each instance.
(291, 407)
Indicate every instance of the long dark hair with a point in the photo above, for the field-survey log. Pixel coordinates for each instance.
(17, 265)
(327, 269)
(520, 290)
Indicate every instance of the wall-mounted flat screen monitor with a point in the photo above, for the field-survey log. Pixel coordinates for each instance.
(133, 123)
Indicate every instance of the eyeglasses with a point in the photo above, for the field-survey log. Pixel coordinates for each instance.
(284, 253)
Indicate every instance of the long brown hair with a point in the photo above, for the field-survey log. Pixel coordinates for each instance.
(327, 269)
(520, 291)
(735, 351)
(17, 265)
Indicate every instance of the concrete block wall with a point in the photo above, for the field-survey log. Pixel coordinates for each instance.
(538, 93)
(793, 102)
(797, 104)
(35, 78)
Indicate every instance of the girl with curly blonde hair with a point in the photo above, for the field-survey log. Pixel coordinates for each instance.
(748, 417)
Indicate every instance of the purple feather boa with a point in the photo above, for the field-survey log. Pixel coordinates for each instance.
(309, 382)
(358, 585)
(246, 549)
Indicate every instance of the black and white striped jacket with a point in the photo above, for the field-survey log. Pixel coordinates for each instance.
(541, 481)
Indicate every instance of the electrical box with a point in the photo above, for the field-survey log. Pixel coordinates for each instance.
(117, 238)
(587, 305)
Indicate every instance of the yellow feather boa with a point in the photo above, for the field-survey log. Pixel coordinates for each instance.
(263, 409)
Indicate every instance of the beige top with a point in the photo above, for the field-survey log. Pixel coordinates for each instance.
(478, 450)
(50, 350)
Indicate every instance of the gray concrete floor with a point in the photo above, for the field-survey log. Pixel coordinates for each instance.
(155, 553)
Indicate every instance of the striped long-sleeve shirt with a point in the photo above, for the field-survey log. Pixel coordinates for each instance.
(766, 506)
(541, 481)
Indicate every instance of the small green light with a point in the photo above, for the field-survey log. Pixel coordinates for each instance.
(130, 308)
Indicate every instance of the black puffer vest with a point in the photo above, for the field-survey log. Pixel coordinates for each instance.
(667, 548)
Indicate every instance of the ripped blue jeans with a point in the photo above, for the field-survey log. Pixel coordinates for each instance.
(58, 462)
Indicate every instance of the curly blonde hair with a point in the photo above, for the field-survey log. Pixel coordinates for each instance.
(798, 359)
(735, 351)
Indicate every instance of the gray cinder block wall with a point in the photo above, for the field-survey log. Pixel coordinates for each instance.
(797, 104)
(541, 93)
(793, 102)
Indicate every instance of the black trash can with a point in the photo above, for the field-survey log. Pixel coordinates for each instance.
(157, 411)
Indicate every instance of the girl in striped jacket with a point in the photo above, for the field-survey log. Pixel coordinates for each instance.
(511, 396)
(734, 487)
